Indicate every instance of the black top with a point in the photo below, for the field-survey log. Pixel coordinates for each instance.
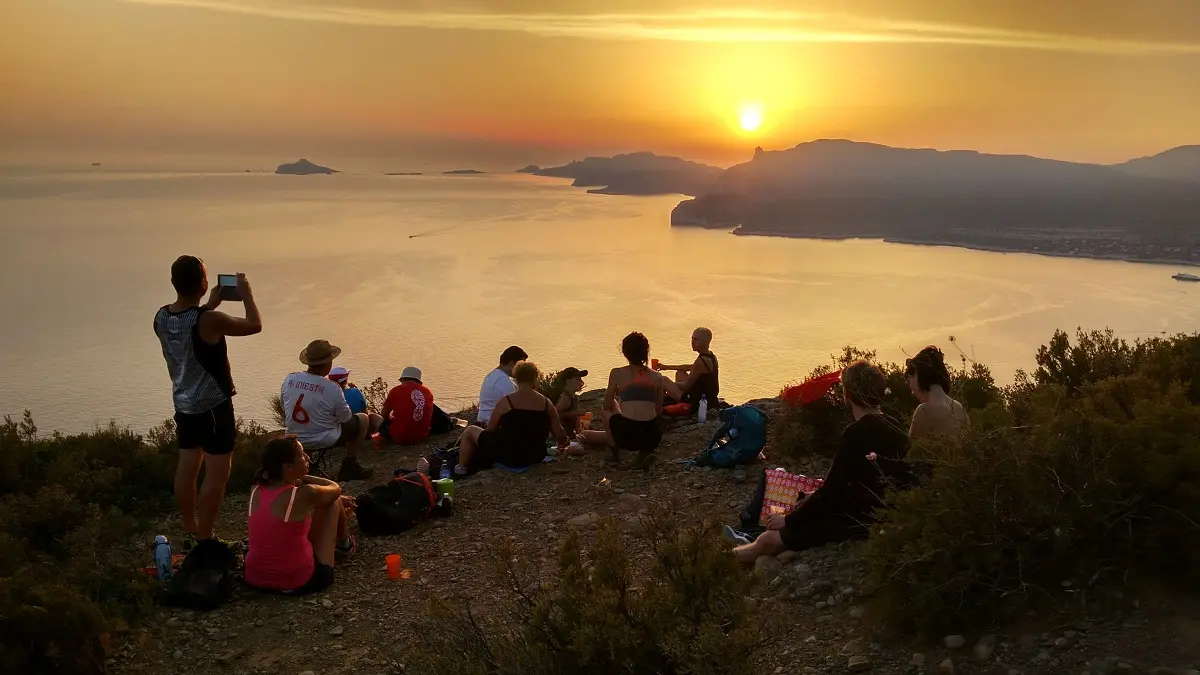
(525, 431)
(854, 486)
(707, 384)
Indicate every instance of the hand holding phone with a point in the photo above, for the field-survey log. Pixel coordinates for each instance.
(230, 286)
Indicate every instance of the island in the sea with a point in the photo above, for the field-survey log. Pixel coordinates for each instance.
(638, 173)
(404, 173)
(303, 167)
(463, 172)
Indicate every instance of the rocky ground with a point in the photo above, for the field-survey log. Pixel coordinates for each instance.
(814, 600)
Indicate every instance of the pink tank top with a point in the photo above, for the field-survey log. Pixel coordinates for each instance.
(280, 555)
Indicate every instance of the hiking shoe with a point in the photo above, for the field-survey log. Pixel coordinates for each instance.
(190, 542)
(738, 538)
(352, 470)
(343, 550)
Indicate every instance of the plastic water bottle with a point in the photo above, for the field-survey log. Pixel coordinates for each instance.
(444, 473)
(162, 558)
(703, 415)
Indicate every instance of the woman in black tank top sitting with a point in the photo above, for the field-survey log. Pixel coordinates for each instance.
(517, 431)
(633, 402)
(700, 379)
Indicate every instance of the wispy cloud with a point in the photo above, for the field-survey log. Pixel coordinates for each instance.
(715, 25)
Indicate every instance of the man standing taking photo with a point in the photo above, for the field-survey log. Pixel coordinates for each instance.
(193, 344)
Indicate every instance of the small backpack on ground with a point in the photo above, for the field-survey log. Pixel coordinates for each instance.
(440, 422)
(205, 578)
(742, 435)
(395, 506)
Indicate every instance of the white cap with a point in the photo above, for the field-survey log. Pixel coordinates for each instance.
(411, 373)
(338, 373)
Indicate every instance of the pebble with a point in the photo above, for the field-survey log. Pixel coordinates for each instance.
(984, 648)
(821, 605)
(308, 672)
(801, 572)
(947, 666)
(786, 557)
(260, 623)
(954, 641)
(587, 520)
(767, 568)
(1061, 643)
(336, 631)
(857, 612)
(739, 475)
(859, 663)
(327, 604)
(918, 660)
(853, 647)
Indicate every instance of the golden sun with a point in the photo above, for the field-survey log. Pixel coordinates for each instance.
(750, 117)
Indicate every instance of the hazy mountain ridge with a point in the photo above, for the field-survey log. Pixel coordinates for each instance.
(1181, 163)
(638, 173)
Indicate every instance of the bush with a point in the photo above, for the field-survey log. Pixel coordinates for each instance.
(376, 393)
(551, 385)
(1087, 473)
(64, 500)
(687, 614)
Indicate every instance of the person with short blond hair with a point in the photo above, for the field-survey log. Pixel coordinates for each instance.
(517, 428)
(701, 378)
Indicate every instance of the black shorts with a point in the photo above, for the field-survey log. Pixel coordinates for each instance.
(635, 435)
(821, 530)
(350, 431)
(213, 431)
(322, 578)
(494, 447)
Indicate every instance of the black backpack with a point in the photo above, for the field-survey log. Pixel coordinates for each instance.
(204, 578)
(395, 506)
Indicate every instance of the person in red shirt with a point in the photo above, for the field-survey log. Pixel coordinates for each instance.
(408, 410)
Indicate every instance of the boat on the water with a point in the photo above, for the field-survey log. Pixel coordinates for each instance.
(1184, 276)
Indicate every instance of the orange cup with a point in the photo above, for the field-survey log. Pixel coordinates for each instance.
(586, 419)
(393, 566)
(654, 363)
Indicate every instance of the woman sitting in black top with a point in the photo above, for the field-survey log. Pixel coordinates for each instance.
(871, 455)
(517, 431)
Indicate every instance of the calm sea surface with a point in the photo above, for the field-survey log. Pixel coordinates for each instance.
(85, 257)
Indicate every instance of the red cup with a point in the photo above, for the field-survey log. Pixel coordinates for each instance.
(393, 566)
(377, 442)
(654, 363)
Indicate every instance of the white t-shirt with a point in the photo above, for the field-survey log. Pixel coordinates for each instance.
(496, 386)
(315, 409)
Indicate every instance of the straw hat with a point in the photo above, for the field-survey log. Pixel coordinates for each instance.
(411, 373)
(319, 353)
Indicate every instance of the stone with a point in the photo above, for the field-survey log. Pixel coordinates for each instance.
(857, 612)
(308, 672)
(918, 660)
(786, 557)
(859, 663)
(984, 648)
(739, 475)
(947, 666)
(767, 567)
(635, 528)
(1060, 643)
(1028, 641)
(954, 641)
(853, 647)
(336, 631)
(586, 520)
(821, 605)
(229, 657)
(801, 572)
(327, 604)
(178, 654)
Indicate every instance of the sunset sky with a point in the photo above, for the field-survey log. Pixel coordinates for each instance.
(516, 81)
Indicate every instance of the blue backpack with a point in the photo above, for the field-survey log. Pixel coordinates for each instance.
(742, 435)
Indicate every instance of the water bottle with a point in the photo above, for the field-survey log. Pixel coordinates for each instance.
(162, 558)
(703, 416)
(444, 473)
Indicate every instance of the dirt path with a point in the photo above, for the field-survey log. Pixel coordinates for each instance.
(364, 623)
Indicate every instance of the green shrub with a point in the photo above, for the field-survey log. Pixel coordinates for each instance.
(375, 394)
(1089, 473)
(551, 385)
(278, 416)
(687, 613)
(64, 501)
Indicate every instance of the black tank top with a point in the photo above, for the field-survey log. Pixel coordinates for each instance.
(526, 431)
(706, 384)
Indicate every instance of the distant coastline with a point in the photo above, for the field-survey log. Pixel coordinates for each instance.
(740, 232)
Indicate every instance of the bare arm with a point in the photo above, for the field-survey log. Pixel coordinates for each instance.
(694, 372)
(320, 495)
(563, 407)
(556, 426)
(214, 325)
(920, 423)
(610, 394)
(502, 407)
(386, 411)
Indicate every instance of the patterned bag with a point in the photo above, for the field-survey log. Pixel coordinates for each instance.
(783, 492)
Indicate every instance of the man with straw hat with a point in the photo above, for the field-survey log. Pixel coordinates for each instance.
(316, 411)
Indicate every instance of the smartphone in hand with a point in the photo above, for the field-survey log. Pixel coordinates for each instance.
(229, 287)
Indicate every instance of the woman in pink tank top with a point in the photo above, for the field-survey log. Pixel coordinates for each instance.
(297, 523)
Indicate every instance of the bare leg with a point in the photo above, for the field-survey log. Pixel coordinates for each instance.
(376, 421)
(681, 376)
(593, 437)
(186, 473)
(328, 526)
(355, 444)
(768, 543)
(212, 492)
(468, 446)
